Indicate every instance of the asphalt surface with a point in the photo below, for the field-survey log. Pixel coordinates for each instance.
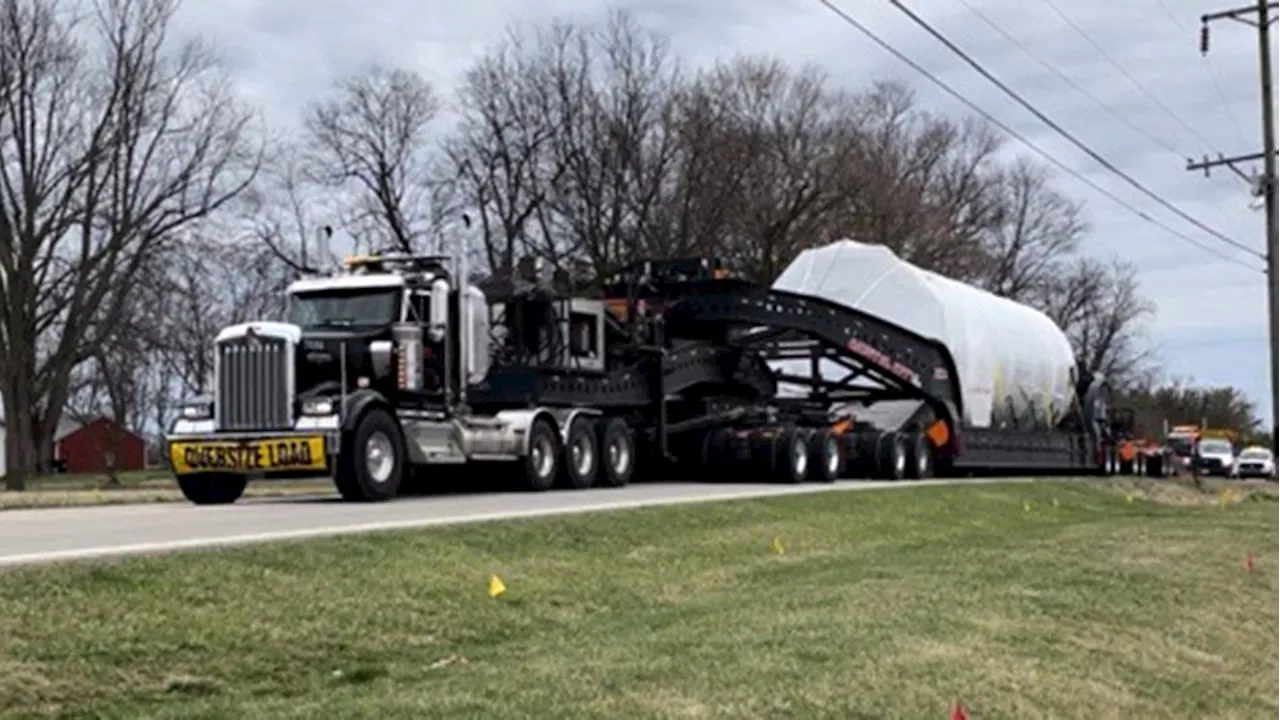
(61, 534)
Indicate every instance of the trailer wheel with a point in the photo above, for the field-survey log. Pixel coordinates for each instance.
(212, 488)
(581, 456)
(891, 456)
(617, 453)
(826, 455)
(791, 459)
(541, 464)
(919, 457)
(717, 452)
(370, 463)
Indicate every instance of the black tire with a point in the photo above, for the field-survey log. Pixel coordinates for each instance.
(581, 464)
(371, 459)
(617, 453)
(919, 457)
(212, 488)
(791, 456)
(826, 456)
(891, 456)
(717, 454)
(864, 455)
(540, 466)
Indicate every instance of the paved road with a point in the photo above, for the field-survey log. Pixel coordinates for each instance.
(48, 535)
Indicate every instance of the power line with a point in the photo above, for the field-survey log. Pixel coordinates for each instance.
(848, 19)
(1210, 70)
(1067, 79)
(1155, 139)
(1063, 132)
(1141, 88)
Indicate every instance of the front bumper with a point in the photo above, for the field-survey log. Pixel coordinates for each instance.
(1213, 466)
(194, 446)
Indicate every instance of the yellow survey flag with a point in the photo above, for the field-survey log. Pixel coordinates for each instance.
(1226, 496)
(496, 587)
(777, 545)
(1026, 507)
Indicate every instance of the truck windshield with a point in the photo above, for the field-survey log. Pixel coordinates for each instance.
(345, 308)
(1215, 446)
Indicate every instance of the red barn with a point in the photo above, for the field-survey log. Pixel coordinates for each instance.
(99, 446)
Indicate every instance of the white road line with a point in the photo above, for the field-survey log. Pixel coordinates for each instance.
(463, 518)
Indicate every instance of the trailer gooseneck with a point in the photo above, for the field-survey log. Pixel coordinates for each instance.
(669, 368)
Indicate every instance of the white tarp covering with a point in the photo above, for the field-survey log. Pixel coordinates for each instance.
(1010, 358)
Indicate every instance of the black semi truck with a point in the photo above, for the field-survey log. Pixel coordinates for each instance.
(393, 365)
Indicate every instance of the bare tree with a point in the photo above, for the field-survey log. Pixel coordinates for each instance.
(566, 142)
(286, 209)
(798, 146)
(1099, 306)
(109, 143)
(613, 97)
(372, 137)
(501, 154)
(1038, 234)
(932, 190)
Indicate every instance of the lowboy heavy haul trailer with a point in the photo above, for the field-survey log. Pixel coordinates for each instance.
(854, 364)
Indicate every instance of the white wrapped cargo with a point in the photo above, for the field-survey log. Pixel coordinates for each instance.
(1013, 361)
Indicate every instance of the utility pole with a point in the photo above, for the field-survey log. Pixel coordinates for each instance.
(1261, 20)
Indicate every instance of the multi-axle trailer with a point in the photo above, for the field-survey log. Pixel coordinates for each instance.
(395, 369)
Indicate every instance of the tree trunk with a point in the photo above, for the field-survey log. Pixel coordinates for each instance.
(19, 445)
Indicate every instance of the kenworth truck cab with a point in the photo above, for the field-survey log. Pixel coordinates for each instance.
(367, 375)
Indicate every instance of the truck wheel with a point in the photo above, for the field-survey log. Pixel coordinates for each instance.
(371, 462)
(581, 458)
(212, 488)
(826, 456)
(717, 453)
(919, 457)
(617, 453)
(542, 463)
(791, 459)
(891, 456)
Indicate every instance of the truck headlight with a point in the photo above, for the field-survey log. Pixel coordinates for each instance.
(317, 406)
(197, 411)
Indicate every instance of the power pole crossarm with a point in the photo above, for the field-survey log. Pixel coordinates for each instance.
(1206, 164)
(1259, 16)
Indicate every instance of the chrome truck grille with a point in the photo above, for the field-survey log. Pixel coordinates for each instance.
(254, 392)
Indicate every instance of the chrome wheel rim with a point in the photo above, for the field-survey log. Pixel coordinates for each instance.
(583, 456)
(799, 456)
(379, 457)
(544, 457)
(619, 455)
(833, 456)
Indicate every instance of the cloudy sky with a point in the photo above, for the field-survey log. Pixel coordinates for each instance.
(1211, 324)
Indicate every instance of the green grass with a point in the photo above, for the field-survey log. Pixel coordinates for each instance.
(144, 486)
(884, 604)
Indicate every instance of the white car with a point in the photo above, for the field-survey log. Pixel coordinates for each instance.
(1215, 457)
(1254, 462)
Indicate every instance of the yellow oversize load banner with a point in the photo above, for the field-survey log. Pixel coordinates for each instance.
(246, 456)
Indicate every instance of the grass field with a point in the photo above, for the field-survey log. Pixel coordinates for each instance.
(144, 486)
(1022, 601)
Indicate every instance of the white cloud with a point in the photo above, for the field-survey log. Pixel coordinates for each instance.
(286, 51)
